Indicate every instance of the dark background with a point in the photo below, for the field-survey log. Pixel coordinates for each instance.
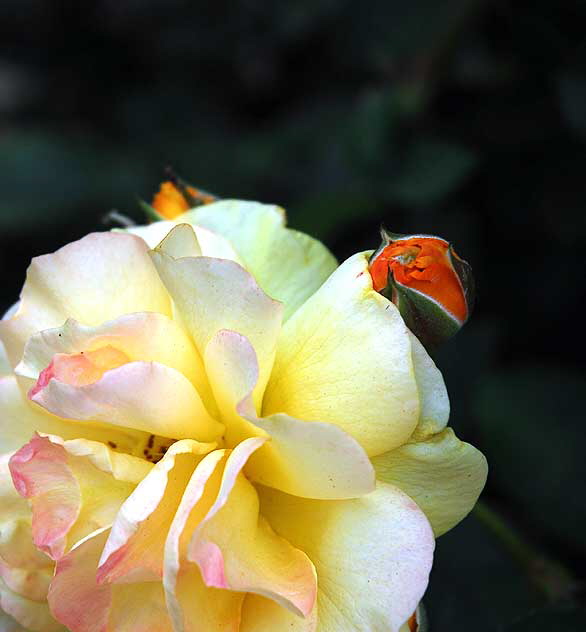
(464, 118)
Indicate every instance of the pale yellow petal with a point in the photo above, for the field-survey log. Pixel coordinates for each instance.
(345, 358)
(434, 402)
(91, 280)
(209, 243)
(373, 555)
(442, 474)
(214, 294)
(290, 266)
(316, 460)
(21, 418)
(265, 615)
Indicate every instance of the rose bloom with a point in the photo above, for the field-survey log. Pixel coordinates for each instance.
(206, 424)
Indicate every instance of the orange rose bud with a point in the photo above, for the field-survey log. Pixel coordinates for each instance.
(174, 199)
(429, 283)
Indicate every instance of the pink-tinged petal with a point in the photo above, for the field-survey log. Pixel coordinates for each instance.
(75, 487)
(143, 396)
(315, 460)
(344, 357)
(200, 491)
(75, 598)
(236, 549)
(40, 472)
(34, 616)
(24, 570)
(377, 549)
(145, 337)
(134, 550)
(83, 605)
(21, 418)
(91, 280)
(265, 615)
(192, 605)
(203, 287)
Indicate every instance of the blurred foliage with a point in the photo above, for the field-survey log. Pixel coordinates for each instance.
(465, 118)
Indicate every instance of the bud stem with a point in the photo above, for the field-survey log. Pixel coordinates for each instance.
(551, 577)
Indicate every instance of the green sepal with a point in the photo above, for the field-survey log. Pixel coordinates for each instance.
(464, 272)
(424, 316)
(151, 213)
(421, 618)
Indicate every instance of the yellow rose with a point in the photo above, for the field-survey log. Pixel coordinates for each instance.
(217, 428)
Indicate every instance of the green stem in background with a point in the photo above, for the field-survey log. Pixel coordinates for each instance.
(548, 575)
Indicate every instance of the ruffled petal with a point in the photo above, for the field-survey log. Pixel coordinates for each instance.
(316, 460)
(345, 358)
(209, 243)
(83, 605)
(290, 266)
(192, 605)
(373, 554)
(443, 475)
(236, 549)
(20, 419)
(91, 280)
(145, 337)
(75, 487)
(134, 550)
(145, 396)
(25, 572)
(214, 294)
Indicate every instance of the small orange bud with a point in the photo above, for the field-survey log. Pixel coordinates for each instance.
(174, 199)
(169, 202)
(429, 283)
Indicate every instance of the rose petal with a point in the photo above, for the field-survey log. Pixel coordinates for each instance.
(75, 487)
(237, 550)
(143, 337)
(83, 605)
(209, 243)
(265, 615)
(34, 616)
(134, 550)
(372, 554)
(145, 396)
(20, 419)
(435, 405)
(345, 358)
(316, 460)
(443, 475)
(290, 266)
(91, 280)
(203, 288)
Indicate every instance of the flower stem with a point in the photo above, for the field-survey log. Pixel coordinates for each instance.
(551, 577)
